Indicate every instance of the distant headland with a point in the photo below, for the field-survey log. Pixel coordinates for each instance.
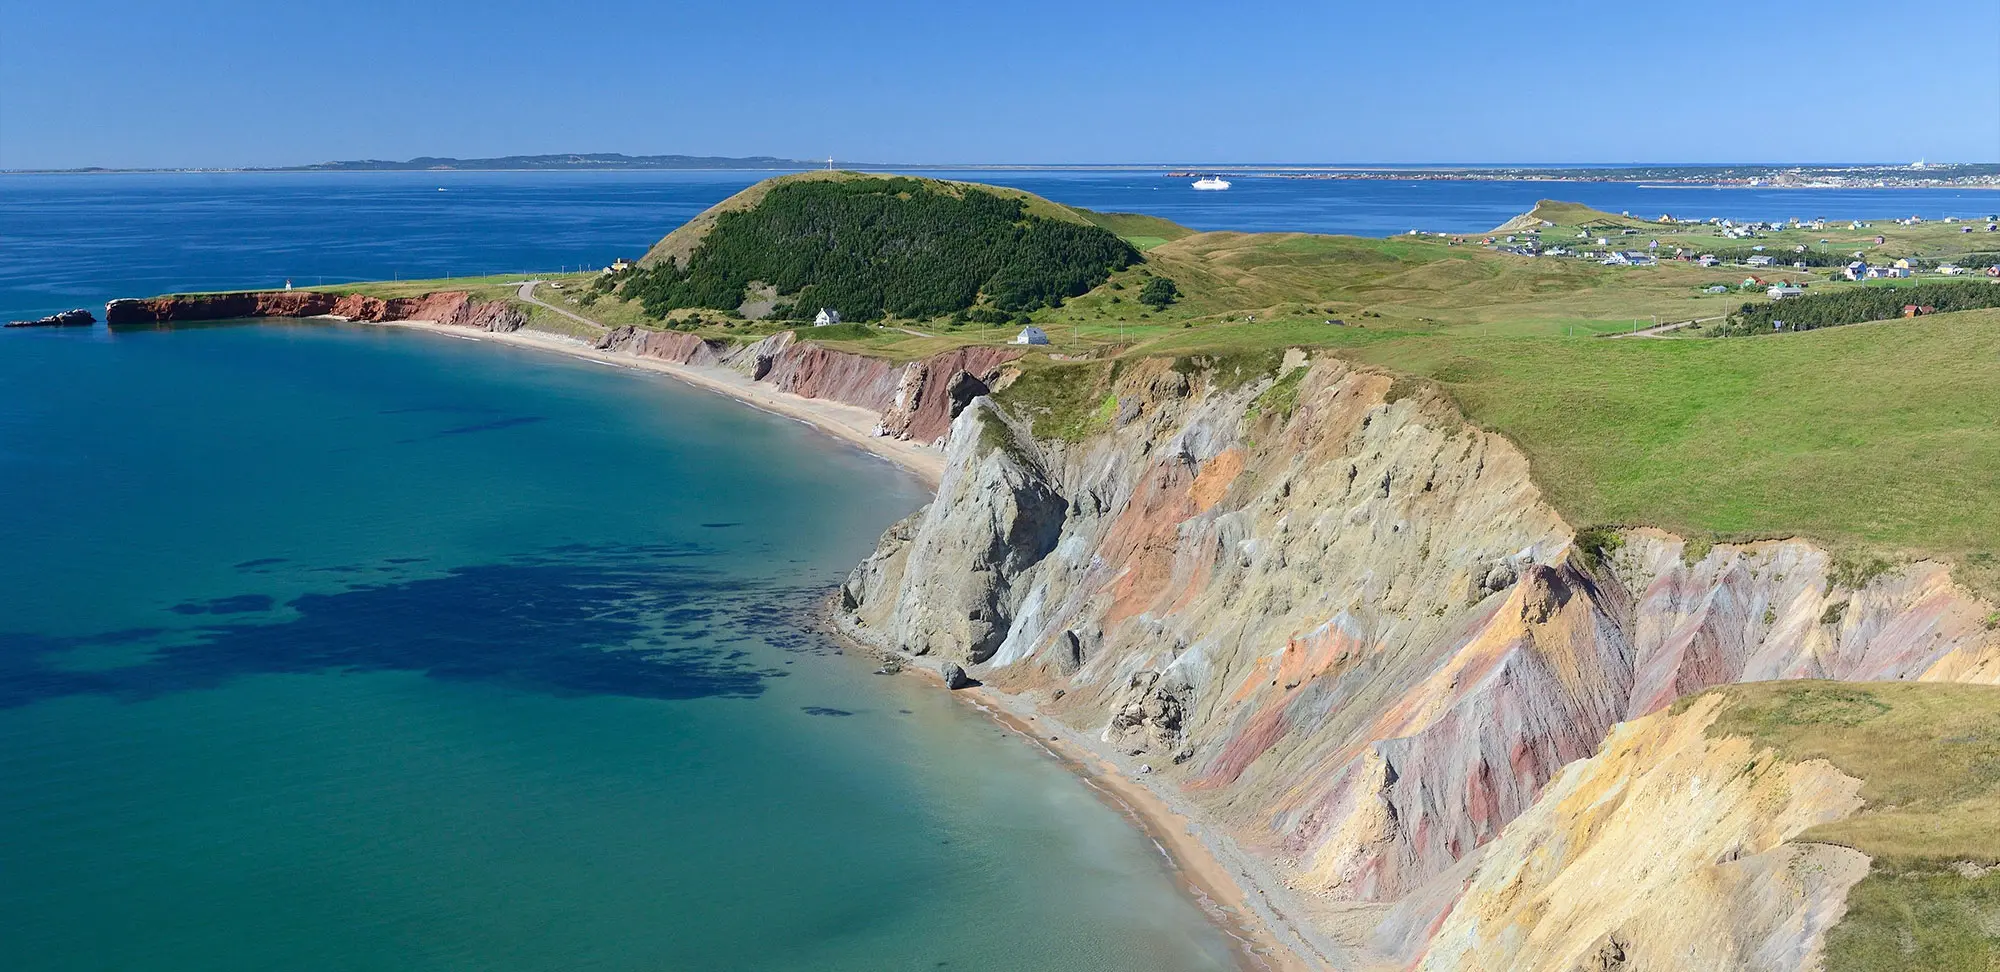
(1854, 175)
(504, 163)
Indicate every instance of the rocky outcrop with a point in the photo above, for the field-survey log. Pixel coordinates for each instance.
(954, 676)
(1349, 629)
(68, 318)
(455, 308)
(932, 392)
(678, 347)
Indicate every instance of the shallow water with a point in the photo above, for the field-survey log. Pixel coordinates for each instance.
(333, 647)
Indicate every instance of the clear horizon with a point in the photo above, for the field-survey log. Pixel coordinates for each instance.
(235, 84)
(890, 165)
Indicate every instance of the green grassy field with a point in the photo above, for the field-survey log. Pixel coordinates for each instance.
(1928, 757)
(1877, 440)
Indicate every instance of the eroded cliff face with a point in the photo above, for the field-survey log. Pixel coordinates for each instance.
(916, 400)
(1349, 629)
(1667, 850)
(455, 308)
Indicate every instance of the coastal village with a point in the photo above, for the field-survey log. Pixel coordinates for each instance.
(1779, 259)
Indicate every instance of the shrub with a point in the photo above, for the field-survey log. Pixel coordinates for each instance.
(1158, 293)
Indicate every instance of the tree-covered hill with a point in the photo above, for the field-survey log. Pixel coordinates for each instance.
(869, 247)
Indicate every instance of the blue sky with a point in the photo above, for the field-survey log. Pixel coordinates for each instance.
(227, 82)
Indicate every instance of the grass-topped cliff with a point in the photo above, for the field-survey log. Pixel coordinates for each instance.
(1867, 438)
(1928, 758)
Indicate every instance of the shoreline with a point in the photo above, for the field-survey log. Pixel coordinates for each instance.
(850, 423)
(1230, 886)
(1219, 878)
(1212, 871)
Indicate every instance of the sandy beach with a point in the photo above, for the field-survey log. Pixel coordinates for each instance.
(1218, 875)
(852, 423)
(1239, 893)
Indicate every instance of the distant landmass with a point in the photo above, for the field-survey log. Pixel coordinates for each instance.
(1926, 175)
(428, 163)
(608, 160)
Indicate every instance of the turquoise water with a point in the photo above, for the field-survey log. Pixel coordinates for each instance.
(330, 647)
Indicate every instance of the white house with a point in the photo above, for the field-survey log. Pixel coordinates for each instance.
(1784, 290)
(826, 315)
(1031, 335)
(1759, 260)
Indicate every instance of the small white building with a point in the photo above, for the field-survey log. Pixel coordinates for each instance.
(1784, 290)
(826, 316)
(1759, 260)
(1031, 335)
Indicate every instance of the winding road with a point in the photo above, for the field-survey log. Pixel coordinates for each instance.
(527, 294)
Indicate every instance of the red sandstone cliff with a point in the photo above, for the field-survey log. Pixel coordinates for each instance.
(917, 400)
(453, 307)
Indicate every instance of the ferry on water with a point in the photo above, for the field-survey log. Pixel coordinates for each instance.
(1211, 182)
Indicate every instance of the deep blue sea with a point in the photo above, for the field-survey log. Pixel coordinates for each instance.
(79, 240)
(327, 647)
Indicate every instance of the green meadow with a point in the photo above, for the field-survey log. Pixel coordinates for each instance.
(1878, 440)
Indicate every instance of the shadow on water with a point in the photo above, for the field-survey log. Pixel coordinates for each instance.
(637, 622)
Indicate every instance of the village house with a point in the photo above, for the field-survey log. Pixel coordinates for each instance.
(1708, 260)
(1031, 335)
(1784, 290)
(1915, 310)
(827, 316)
(1950, 269)
(1759, 260)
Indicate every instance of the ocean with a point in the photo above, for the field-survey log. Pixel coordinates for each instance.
(325, 646)
(333, 647)
(79, 240)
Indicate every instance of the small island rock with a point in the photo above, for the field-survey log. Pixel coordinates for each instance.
(68, 318)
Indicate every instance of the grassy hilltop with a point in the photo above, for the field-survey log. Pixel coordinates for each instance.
(1875, 439)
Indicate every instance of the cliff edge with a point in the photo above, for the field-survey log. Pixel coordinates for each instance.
(1346, 626)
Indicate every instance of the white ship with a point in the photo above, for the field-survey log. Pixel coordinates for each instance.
(1211, 182)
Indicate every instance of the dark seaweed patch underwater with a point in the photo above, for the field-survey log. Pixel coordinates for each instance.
(638, 622)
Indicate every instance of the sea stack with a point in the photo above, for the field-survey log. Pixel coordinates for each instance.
(68, 318)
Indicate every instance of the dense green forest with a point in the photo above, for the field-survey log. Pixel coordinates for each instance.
(1862, 304)
(874, 247)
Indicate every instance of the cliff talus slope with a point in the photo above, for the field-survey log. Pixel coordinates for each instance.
(1346, 626)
